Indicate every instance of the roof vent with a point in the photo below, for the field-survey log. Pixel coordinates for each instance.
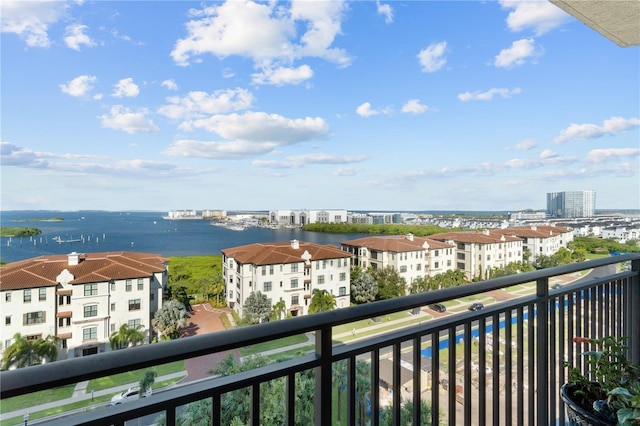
(295, 244)
(410, 237)
(534, 228)
(73, 258)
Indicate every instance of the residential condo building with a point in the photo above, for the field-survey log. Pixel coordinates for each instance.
(287, 271)
(571, 204)
(304, 217)
(81, 299)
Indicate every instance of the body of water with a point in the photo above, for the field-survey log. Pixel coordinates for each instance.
(97, 231)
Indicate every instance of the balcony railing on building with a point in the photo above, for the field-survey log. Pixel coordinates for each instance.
(500, 365)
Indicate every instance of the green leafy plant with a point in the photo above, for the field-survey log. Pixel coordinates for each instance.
(610, 388)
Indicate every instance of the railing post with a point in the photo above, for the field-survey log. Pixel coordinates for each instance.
(323, 375)
(542, 355)
(634, 295)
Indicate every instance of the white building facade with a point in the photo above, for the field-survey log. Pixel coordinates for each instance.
(81, 299)
(304, 217)
(412, 257)
(287, 271)
(540, 240)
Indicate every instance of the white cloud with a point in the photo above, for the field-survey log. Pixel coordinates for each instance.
(126, 88)
(386, 11)
(611, 126)
(365, 110)
(517, 54)
(298, 161)
(489, 94)
(283, 75)
(413, 106)
(198, 104)
(30, 20)
(169, 84)
(523, 145)
(432, 57)
(346, 171)
(79, 86)
(75, 37)
(540, 16)
(602, 155)
(121, 118)
(265, 32)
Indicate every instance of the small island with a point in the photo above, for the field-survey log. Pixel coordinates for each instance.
(41, 219)
(7, 231)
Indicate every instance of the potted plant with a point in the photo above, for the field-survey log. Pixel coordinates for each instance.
(609, 392)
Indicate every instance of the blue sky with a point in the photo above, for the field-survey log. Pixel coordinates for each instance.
(364, 105)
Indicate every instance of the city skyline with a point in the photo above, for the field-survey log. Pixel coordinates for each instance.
(378, 106)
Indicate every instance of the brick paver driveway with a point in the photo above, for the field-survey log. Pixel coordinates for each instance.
(204, 320)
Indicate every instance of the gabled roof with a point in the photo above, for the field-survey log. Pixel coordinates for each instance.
(475, 237)
(396, 243)
(282, 252)
(534, 231)
(93, 267)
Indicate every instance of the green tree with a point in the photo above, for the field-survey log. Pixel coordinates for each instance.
(390, 283)
(321, 300)
(147, 381)
(257, 307)
(169, 319)
(563, 256)
(126, 336)
(406, 414)
(419, 285)
(278, 310)
(340, 381)
(25, 352)
(364, 288)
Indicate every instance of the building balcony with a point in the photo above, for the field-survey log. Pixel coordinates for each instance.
(499, 365)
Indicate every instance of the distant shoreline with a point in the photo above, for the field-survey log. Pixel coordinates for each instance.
(41, 219)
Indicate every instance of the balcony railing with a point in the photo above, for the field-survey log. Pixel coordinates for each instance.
(500, 365)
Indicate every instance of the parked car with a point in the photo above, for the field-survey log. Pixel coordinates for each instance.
(476, 306)
(130, 394)
(438, 307)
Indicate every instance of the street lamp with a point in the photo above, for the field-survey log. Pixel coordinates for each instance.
(26, 418)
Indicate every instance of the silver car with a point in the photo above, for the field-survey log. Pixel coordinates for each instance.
(129, 395)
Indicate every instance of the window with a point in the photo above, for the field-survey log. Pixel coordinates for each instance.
(324, 264)
(343, 276)
(140, 284)
(7, 296)
(436, 265)
(403, 268)
(436, 253)
(113, 307)
(152, 297)
(33, 318)
(419, 267)
(62, 322)
(7, 320)
(134, 323)
(294, 267)
(113, 285)
(294, 283)
(264, 270)
(7, 343)
(270, 269)
(91, 311)
(134, 304)
(91, 289)
(63, 343)
(90, 333)
(113, 327)
(128, 285)
(230, 294)
(294, 300)
(42, 294)
(320, 279)
(342, 291)
(267, 286)
(26, 297)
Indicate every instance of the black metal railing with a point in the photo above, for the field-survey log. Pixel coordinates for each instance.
(499, 365)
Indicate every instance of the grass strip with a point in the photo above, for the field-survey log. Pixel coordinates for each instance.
(273, 344)
(133, 376)
(42, 397)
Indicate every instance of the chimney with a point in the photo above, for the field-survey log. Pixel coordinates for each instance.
(295, 244)
(410, 237)
(534, 228)
(73, 258)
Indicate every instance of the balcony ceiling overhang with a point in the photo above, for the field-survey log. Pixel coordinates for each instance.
(617, 20)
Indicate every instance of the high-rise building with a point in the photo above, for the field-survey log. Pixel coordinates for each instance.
(571, 204)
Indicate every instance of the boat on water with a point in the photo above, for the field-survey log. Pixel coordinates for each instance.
(59, 240)
(230, 226)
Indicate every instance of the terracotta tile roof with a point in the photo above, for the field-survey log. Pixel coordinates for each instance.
(64, 292)
(65, 314)
(396, 243)
(64, 335)
(535, 231)
(282, 252)
(93, 267)
(475, 237)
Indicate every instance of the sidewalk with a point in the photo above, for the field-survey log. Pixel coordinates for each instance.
(81, 393)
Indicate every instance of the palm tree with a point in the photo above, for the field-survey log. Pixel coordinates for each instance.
(126, 336)
(278, 310)
(169, 319)
(322, 300)
(24, 352)
(340, 381)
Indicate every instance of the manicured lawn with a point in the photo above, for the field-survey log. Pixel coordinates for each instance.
(273, 344)
(56, 410)
(47, 395)
(133, 376)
